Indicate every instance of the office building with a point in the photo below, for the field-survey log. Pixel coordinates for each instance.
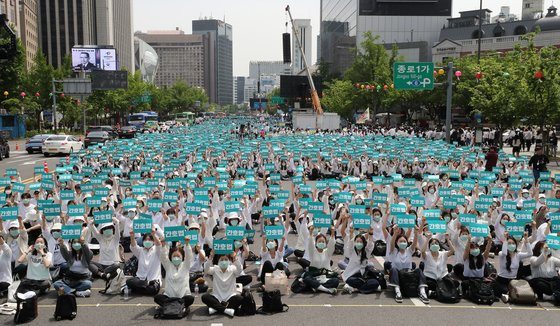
(146, 60)
(181, 57)
(11, 10)
(303, 31)
(220, 55)
(238, 90)
(250, 89)
(337, 37)
(29, 29)
(257, 68)
(532, 9)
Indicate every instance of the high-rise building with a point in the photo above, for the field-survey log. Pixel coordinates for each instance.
(238, 90)
(181, 57)
(303, 31)
(124, 34)
(219, 33)
(11, 10)
(257, 68)
(146, 60)
(337, 37)
(29, 29)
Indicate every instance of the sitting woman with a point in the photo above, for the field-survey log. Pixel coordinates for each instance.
(5, 266)
(108, 236)
(39, 260)
(242, 252)
(544, 272)
(148, 276)
(474, 263)
(177, 263)
(320, 254)
(224, 298)
(402, 260)
(435, 262)
(356, 250)
(272, 257)
(510, 260)
(77, 277)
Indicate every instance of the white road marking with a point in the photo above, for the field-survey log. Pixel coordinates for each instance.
(417, 302)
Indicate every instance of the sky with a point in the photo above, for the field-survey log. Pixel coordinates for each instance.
(258, 24)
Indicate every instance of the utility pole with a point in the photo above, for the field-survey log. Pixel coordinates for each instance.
(448, 104)
(54, 104)
(479, 30)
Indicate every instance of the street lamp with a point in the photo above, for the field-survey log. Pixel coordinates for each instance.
(479, 30)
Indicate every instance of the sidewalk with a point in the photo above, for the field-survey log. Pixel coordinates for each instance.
(553, 166)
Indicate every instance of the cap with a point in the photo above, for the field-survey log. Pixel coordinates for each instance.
(525, 191)
(13, 224)
(542, 196)
(233, 215)
(57, 226)
(194, 226)
(131, 209)
(31, 216)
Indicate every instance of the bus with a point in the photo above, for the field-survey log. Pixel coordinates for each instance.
(139, 119)
(185, 118)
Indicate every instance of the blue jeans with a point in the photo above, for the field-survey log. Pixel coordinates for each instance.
(79, 286)
(288, 251)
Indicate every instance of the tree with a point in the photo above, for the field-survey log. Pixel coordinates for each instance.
(340, 97)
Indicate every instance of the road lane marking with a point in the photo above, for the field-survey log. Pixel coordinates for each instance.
(417, 302)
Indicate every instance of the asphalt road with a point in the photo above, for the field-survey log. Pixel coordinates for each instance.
(25, 163)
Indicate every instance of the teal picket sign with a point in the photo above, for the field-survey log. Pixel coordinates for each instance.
(76, 210)
(249, 234)
(142, 226)
(515, 229)
(193, 208)
(232, 206)
(417, 201)
(274, 231)
(432, 213)
(525, 216)
(67, 195)
(553, 241)
(170, 197)
(398, 208)
(101, 217)
(437, 226)
(69, 232)
(235, 232)
(356, 209)
(52, 210)
(278, 203)
(405, 220)
(509, 206)
(175, 233)
(193, 236)
(9, 213)
(361, 221)
(155, 205)
(270, 212)
(467, 219)
(478, 230)
(315, 207)
(379, 198)
(322, 220)
(223, 247)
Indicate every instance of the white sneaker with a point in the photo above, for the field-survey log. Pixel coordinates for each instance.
(212, 311)
(332, 291)
(348, 289)
(230, 312)
(505, 298)
(83, 294)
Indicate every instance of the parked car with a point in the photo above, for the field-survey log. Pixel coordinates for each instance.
(97, 137)
(35, 143)
(4, 148)
(127, 132)
(61, 144)
(108, 129)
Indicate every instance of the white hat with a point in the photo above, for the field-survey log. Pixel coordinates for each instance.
(233, 215)
(203, 214)
(78, 218)
(131, 209)
(194, 226)
(57, 226)
(524, 191)
(542, 196)
(30, 216)
(13, 224)
(109, 187)
(105, 225)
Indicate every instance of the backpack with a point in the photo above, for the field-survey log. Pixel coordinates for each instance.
(272, 303)
(174, 308)
(66, 307)
(447, 291)
(115, 284)
(298, 286)
(409, 283)
(372, 273)
(131, 266)
(480, 292)
(26, 309)
(521, 292)
(248, 306)
(380, 248)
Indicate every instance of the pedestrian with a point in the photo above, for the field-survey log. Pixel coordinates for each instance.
(538, 163)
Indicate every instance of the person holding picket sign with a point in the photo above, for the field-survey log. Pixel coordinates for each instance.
(76, 279)
(272, 257)
(16, 238)
(510, 258)
(357, 249)
(544, 272)
(148, 276)
(108, 236)
(177, 263)
(224, 298)
(435, 262)
(319, 277)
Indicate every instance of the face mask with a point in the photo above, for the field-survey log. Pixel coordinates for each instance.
(171, 216)
(14, 233)
(77, 246)
(434, 248)
(56, 234)
(176, 260)
(454, 215)
(131, 214)
(128, 193)
(38, 246)
(315, 231)
(26, 201)
(321, 245)
(475, 252)
(359, 202)
(525, 196)
(148, 244)
(8, 192)
(432, 191)
(447, 219)
(234, 222)
(542, 201)
(464, 238)
(271, 245)
(224, 264)
(238, 244)
(359, 245)
(108, 232)
(49, 218)
(511, 247)
(403, 245)
(428, 234)
(377, 218)
(103, 203)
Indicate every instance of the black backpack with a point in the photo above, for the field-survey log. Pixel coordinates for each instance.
(372, 273)
(131, 266)
(26, 310)
(409, 283)
(66, 307)
(380, 248)
(248, 306)
(480, 292)
(447, 291)
(272, 303)
(174, 308)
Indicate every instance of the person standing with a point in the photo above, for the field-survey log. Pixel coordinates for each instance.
(491, 159)
(538, 162)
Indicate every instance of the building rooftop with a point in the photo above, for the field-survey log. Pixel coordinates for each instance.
(499, 29)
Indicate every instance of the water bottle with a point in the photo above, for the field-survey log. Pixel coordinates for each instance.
(196, 290)
(125, 291)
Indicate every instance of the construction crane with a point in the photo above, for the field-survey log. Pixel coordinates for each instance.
(314, 96)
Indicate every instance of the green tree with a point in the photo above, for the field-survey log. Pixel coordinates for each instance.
(340, 97)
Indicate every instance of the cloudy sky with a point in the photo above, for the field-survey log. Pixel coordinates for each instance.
(257, 24)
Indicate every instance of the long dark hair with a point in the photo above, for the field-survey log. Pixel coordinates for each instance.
(363, 254)
(479, 261)
(508, 257)
(537, 249)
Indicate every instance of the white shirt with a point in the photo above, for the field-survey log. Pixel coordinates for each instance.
(108, 246)
(266, 256)
(355, 265)
(436, 268)
(320, 259)
(176, 277)
(223, 282)
(36, 270)
(52, 244)
(402, 260)
(5, 264)
(468, 272)
(544, 268)
(515, 261)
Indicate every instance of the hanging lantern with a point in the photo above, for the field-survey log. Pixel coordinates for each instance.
(37, 94)
(378, 88)
(441, 72)
(6, 93)
(539, 75)
(506, 74)
(363, 86)
(61, 94)
(458, 74)
(368, 87)
(478, 75)
(357, 85)
(385, 87)
(435, 74)
(22, 94)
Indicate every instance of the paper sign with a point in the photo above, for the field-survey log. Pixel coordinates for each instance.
(417, 201)
(232, 206)
(67, 195)
(51, 209)
(321, 220)
(553, 241)
(193, 208)
(274, 231)
(432, 213)
(76, 210)
(9, 213)
(398, 208)
(249, 234)
(69, 232)
(515, 229)
(170, 197)
(406, 220)
(155, 205)
(174, 233)
(479, 230)
(467, 219)
(193, 237)
(223, 247)
(143, 226)
(18, 187)
(101, 217)
(270, 212)
(356, 209)
(94, 201)
(437, 226)
(235, 232)
(361, 221)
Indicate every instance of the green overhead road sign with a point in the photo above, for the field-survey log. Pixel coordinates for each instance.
(277, 100)
(413, 75)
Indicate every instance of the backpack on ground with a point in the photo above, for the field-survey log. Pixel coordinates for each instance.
(174, 308)
(131, 266)
(372, 273)
(379, 248)
(26, 309)
(248, 306)
(115, 284)
(298, 286)
(521, 292)
(409, 283)
(272, 303)
(66, 308)
(447, 290)
(479, 292)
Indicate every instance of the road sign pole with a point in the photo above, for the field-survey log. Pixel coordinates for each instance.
(448, 105)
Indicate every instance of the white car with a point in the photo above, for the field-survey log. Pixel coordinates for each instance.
(61, 144)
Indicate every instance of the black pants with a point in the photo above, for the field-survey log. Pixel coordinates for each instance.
(299, 253)
(545, 285)
(501, 286)
(268, 268)
(39, 287)
(142, 287)
(4, 288)
(431, 283)
(313, 283)
(244, 279)
(161, 299)
(211, 301)
(98, 269)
